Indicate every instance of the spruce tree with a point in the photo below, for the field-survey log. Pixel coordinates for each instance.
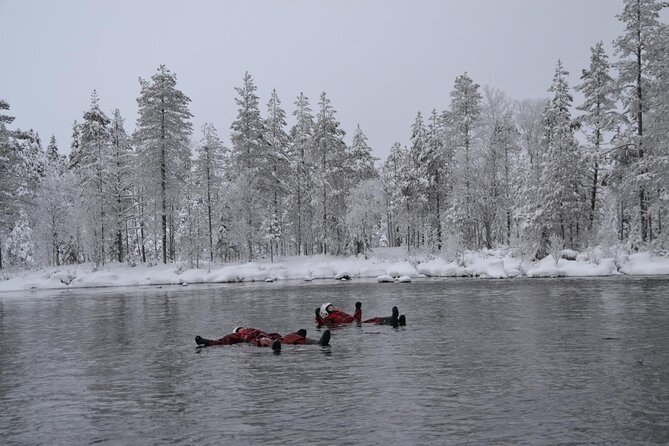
(562, 198)
(330, 175)
(496, 167)
(277, 176)
(8, 175)
(249, 160)
(462, 122)
(635, 49)
(392, 176)
(361, 158)
(209, 175)
(121, 188)
(162, 140)
(55, 210)
(302, 185)
(434, 161)
(598, 119)
(91, 162)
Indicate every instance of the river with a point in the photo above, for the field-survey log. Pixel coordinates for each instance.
(523, 361)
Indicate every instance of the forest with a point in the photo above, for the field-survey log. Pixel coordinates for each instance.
(484, 171)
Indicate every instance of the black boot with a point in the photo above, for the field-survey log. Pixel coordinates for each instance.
(402, 321)
(325, 339)
(202, 341)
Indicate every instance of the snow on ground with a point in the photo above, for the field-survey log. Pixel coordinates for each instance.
(384, 264)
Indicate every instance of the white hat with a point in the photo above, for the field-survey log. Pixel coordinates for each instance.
(324, 310)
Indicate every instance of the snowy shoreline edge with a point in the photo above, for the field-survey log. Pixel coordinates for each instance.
(386, 265)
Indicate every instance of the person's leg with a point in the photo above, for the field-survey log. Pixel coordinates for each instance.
(294, 338)
(325, 338)
(229, 339)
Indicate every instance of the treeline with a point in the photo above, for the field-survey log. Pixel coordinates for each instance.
(485, 171)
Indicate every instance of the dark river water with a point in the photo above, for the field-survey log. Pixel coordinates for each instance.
(519, 361)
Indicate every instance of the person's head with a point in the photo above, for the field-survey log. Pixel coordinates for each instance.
(302, 332)
(238, 329)
(326, 309)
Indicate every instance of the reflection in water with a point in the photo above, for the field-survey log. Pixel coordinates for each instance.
(480, 362)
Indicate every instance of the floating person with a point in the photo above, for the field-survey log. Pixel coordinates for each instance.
(242, 334)
(260, 338)
(328, 315)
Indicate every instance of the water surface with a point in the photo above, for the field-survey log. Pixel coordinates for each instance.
(519, 361)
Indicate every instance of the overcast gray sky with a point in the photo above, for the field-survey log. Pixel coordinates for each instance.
(379, 61)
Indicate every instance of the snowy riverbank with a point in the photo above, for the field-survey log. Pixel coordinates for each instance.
(385, 264)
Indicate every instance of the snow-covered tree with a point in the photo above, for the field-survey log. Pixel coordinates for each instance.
(277, 177)
(496, 167)
(330, 156)
(91, 162)
(55, 211)
(657, 124)
(20, 245)
(392, 176)
(302, 185)
(163, 148)
(414, 186)
(462, 122)
(52, 150)
(364, 217)
(598, 120)
(249, 159)
(120, 186)
(635, 47)
(435, 168)
(8, 176)
(561, 201)
(361, 158)
(208, 175)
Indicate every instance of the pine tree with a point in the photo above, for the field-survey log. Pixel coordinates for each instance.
(415, 190)
(496, 167)
(91, 162)
(55, 209)
(657, 125)
(302, 186)
(361, 158)
(392, 177)
(561, 192)
(52, 150)
(162, 141)
(249, 159)
(634, 48)
(598, 119)
(8, 175)
(462, 122)
(208, 173)
(120, 195)
(278, 174)
(365, 214)
(330, 163)
(435, 169)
